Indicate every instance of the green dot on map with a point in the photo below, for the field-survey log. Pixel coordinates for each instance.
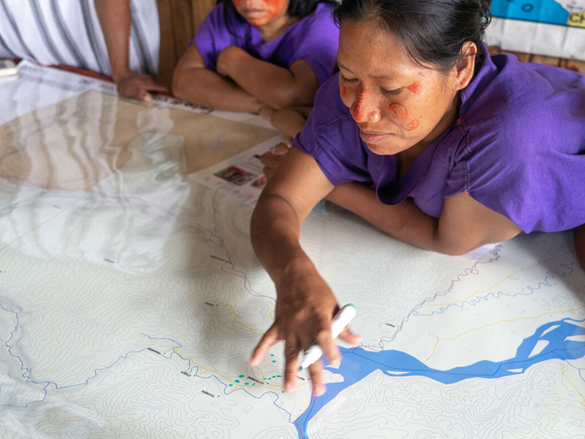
(237, 381)
(231, 385)
(264, 378)
(241, 376)
(253, 384)
(274, 361)
(272, 355)
(246, 384)
(279, 376)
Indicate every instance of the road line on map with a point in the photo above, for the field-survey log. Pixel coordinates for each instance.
(499, 282)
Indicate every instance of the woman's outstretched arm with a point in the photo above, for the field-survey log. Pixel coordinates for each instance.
(305, 304)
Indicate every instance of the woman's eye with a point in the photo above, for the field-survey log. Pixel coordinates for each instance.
(347, 79)
(392, 92)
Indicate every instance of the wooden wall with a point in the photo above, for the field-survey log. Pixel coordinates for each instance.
(571, 64)
(179, 20)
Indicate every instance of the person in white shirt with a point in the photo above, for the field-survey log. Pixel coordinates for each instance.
(118, 38)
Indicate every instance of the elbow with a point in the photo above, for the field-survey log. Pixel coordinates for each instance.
(180, 83)
(456, 248)
(286, 97)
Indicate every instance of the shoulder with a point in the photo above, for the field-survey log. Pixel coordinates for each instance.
(219, 19)
(521, 109)
(322, 17)
(525, 134)
(329, 121)
(329, 109)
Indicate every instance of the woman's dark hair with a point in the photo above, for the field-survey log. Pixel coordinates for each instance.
(296, 8)
(431, 31)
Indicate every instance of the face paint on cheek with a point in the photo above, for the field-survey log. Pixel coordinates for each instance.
(398, 111)
(274, 7)
(342, 91)
(237, 3)
(415, 88)
(358, 105)
(412, 125)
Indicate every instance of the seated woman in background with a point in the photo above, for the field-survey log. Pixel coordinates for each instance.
(260, 55)
(461, 149)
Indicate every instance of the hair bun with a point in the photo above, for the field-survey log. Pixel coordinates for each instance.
(485, 12)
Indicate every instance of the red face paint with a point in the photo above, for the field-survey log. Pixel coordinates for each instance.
(260, 13)
(342, 90)
(415, 88)
(412, 125)
(398, 111)
(274, 7)
(357, 112)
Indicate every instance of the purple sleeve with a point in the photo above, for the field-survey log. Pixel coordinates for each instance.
(319, 38)
(519, 172)
(331, 138)
(213, 36)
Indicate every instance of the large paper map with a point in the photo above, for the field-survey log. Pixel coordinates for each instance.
(130, 298)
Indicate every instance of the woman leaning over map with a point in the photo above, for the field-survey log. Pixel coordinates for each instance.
(427, 137)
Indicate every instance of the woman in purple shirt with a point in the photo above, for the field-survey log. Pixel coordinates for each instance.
(430, 139)
(255, 54)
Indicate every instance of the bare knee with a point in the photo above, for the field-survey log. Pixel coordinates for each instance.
(580, 244)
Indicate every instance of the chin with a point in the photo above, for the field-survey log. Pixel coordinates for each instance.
(257, 21)
(382, 149)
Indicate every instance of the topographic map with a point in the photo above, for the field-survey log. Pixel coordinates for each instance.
(130, 298)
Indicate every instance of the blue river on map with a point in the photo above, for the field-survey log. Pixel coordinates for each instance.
(358, 363)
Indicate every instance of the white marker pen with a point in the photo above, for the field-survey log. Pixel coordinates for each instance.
(339, 323)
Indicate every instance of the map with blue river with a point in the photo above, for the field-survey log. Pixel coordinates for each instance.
(358, 363)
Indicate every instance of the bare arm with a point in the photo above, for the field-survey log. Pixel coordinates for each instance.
(464, 225)
(115, 18)
(305, 304)
(290, 121)
(277, 87)
(195, 83)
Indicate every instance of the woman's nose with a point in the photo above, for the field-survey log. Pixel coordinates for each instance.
(365, 108)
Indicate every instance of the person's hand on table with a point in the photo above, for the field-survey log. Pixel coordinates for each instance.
(137, 86)
(304, 311)
(271, 159)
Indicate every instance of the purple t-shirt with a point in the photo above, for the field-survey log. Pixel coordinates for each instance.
(518, 148)
(313, 39)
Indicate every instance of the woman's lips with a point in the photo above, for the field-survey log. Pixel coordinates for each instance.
(373, 137)
(253, 13)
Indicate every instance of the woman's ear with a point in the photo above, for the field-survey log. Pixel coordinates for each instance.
(465, 67)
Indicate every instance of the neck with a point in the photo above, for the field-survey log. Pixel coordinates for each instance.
(276, 27)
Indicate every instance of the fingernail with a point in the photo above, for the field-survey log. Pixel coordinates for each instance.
(318, 391)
